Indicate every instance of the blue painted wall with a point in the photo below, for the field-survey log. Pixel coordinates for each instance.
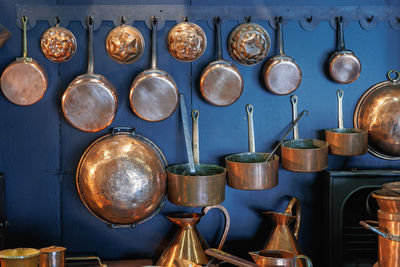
(39, 150)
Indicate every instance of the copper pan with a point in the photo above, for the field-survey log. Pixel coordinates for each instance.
(346, 141)
(378, 112)
(195, 184)
(154, 94)
(24, 81)
(344, 66)
(282, 75)
(249, 43)
(303, 155)
(220, 82)
(58, 44)
(125, 44)
(90, 101)
(251, 170)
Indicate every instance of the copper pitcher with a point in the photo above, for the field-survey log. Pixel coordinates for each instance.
(187, 243)
(282, 237)
(276, 258)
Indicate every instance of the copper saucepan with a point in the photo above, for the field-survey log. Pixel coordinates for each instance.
(220, 82)
(344, 66)
(125, 44)
(249, 43)
(195, 184)
(186, 41)
(251, 170)
(154, 94)
(282, 75)
(90, 101)
(58, 44)
(346, 141)
(303, 155)
(24, 81)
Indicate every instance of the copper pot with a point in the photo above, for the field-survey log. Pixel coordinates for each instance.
(251, 170)
(24, 81)
(344, 66)
(278, 258)
(195, 184)
(303, 155)
(52, 256)
(378, 112)
(19, 257)
(249, 43)
(388, 200)
(282, 75)
(346, 141)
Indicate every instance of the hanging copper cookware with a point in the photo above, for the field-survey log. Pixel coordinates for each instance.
(282, 75)
(186, 41)
(24, 81)
(249, 43)
(58, 44)
(90, 101)
(303, 155)
(195, 184)
(251, 170)
(220, 82)
(125, 44)
(344, 66)
(346, 141)
(121, 178)
(378, 112)
(154, 94)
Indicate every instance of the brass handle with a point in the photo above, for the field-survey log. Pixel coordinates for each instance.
(227, 221)
(339, 94)
(24, 20)
(389, 76)
(307, 260)
(295, 201)
(293, 100)
(250, 127)
(196, 148)
(86, 259)
(219, 254)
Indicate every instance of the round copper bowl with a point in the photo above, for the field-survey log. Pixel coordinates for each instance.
(186, 41)
(249, 43)
(58, 44)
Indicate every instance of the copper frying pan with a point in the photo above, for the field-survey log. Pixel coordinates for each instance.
(221, 83)
(90, 101)
(24, 81)
(282, 75)
(154, 94)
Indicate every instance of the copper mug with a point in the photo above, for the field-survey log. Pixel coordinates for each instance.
(278, 258)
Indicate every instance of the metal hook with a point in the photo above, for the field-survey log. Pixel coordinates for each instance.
(56, 20)
(370, 19)
(309, 19)
(123, 20)
(186, 19)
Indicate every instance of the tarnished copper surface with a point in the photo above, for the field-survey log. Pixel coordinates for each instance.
(389, 250)
(52, 256)
(58, 44)
(26, 257)
(121, 178)
(275, 258)
(186, 41)
(249, 43)
(344, 67)
(378, 112)
(125, 44)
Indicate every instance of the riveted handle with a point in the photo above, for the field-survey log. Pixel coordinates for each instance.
(340, 94)
(195, 125)
(227, 221)
(289, 210)
(293, 100)
(250, 127)
(24, 20)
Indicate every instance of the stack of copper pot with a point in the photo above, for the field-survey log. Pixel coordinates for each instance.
(388, 228)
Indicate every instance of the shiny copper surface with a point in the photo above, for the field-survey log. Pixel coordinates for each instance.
(388, 201)
(186, 41)
(389, 250)
(276, 258)
(52, 256)
(347, 141)
(249, 43)
(378, 112)
(58, 44)
(125, 44)
(392, 186)
(344, 67)
(121, 178)
(19, 257)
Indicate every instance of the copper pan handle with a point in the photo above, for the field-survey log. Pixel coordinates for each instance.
(295, 201)
(195, 125)
(293, 100)
(341, 33)
(340, 94)
(154, 23)
(219, 39)
(90, 22)
(24, 20)
(227, 221)
(186, 133)
(280, 35)
(250, 127)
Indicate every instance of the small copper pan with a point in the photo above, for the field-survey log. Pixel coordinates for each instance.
(186, 41)
(282, 75)
(252, 170)
(346, 141)
(24, 81)
(90, 101)
(303, 155)
(221, 83)
(58, 44)
(344, 66)
(125, 44)
(154, 94)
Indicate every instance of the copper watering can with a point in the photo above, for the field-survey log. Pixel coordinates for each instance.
(187, 243)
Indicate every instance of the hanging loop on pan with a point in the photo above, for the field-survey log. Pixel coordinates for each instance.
(396, 78)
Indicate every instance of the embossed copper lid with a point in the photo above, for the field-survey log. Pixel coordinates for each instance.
(249, 43)
(125, 44)
(58, 44)
(186, 41)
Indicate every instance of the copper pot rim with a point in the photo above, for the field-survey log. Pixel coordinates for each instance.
(324, 144)
(219, 170)
(273, 159)
(52, 249)
(378, 194)
(347, 131)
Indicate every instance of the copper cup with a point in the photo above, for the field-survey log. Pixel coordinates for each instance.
(52, 257)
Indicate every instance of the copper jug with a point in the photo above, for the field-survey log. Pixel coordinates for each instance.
(187, 243)
(282, 237)
(278, 258)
